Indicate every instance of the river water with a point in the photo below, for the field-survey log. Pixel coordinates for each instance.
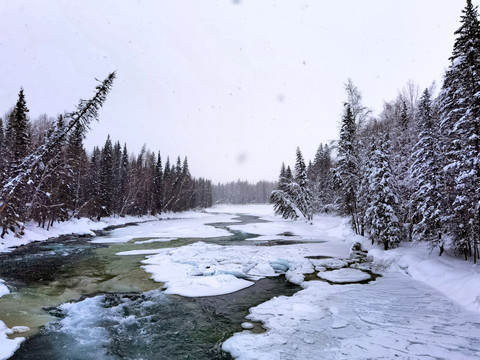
(82, 301)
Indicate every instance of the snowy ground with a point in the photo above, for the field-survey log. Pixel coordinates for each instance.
(423, 307)
(392, 318)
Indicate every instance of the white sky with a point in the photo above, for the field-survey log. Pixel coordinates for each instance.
(234, 85)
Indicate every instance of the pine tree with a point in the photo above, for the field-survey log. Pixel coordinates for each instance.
(158, 186)
(167, 184)
(346, 173)
(3, 154)
(322, 180)
(117, 174)
(31, 164)
(18, 130)
(428, 175)
(382, 214)
(124, 181)
(282, 198)
(106, 188)
(302, 194)
(460, 122)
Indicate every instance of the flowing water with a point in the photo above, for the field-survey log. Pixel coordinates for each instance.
(82, 301)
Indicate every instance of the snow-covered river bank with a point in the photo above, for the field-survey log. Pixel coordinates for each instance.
(180, 288)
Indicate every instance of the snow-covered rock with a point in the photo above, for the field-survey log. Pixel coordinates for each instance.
(344, 276)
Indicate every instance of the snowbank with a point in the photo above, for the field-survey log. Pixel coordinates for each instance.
(187, 225)
(84, 226)
(454, 277)
(342, 276)
(9, 346)
(3, 288)
(411, 321)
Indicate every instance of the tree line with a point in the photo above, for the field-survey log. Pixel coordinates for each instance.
(243, 192)
(410, 173)
(46, 175)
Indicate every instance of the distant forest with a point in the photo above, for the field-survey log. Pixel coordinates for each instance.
(46, 175)
(411, 173)
(243, 192)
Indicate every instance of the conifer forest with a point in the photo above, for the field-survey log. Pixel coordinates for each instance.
(48, 176)
(410, 173)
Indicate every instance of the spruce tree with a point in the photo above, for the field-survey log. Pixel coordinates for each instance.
(346, 173)
(106, 179)
(302, 194)
(158, 186)
(460, 122)
(382, 210)
(282, 198)
(428, 175)
(19, 130)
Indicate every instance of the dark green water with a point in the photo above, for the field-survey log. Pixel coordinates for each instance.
(112, 309)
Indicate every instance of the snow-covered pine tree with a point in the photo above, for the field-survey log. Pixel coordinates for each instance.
(17, 141)
(281, 198)
(18, 131)
(302, 192)
(346, 172)
(427, 173)
(382, 217)
(399, 115)
(33, 161)
(460, 123)
(322, 180)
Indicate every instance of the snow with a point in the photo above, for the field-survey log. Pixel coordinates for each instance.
(154, 240)
(455, 278)
(138, 252)
(342, 276)
(189, 225)
(3, 288)
(9, 346)
(82, 226)
(247, 325)
(412, 321)
(85, 226)
(200, 269)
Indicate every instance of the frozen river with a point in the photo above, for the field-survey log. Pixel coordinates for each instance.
(139, 292)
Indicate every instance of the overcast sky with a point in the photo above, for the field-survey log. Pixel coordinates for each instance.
(235, 86)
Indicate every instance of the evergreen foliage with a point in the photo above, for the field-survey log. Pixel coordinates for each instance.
(47, 176)
(426, 170)
(424, 184)
(381, 214)
(460, 122)
(346, 172)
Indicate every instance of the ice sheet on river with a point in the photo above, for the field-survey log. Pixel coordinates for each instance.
(168, 229)
(411, 321)
(202, 269)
